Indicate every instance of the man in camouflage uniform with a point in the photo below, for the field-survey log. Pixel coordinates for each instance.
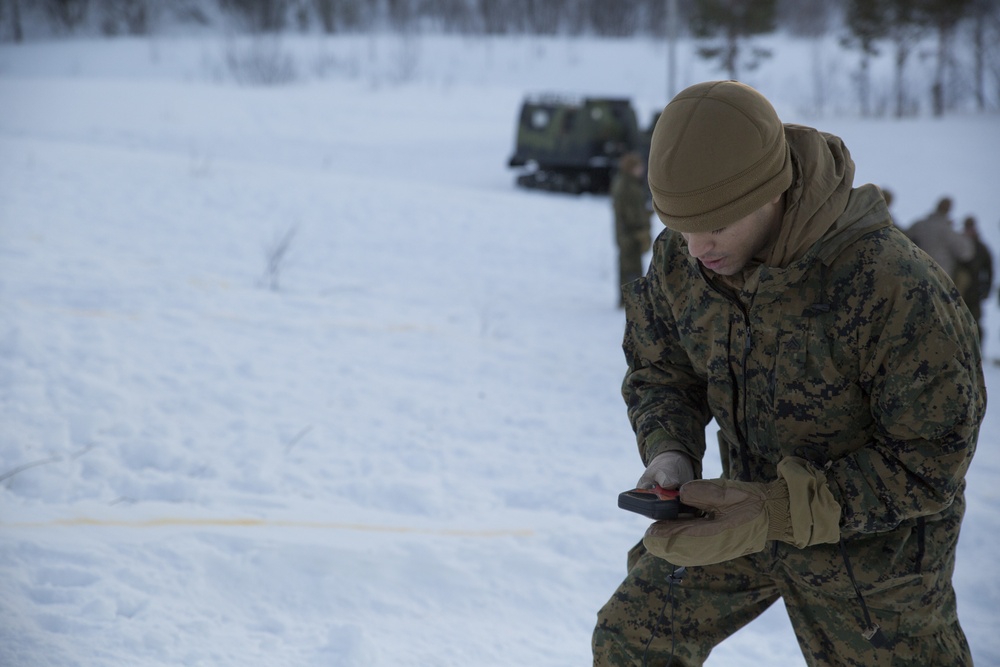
(974, 278)
(632, 233)
(842, 369)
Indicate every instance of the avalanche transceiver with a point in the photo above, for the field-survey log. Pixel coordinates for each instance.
(656, 503)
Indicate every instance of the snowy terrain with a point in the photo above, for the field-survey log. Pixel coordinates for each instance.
(407, 454)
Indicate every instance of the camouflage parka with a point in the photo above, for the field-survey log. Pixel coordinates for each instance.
(851, 350)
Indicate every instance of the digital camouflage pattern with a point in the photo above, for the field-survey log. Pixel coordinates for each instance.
(710, 603)
(857, 355)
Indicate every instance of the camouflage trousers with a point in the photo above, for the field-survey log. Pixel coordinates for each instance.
(915, 611)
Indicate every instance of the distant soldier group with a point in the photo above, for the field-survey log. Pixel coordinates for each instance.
(961, 253)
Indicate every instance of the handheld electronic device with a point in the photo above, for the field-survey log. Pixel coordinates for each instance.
(656, 503)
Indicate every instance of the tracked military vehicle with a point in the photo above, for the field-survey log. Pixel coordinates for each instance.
(573, 145)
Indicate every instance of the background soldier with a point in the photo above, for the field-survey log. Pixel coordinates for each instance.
(631, 210)
(975, 277)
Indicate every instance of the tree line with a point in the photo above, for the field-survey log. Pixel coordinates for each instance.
(965, 34)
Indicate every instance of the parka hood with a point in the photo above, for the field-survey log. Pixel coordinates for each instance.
(819, 195)
(821, 204)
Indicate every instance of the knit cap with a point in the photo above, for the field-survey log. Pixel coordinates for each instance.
(717, 154)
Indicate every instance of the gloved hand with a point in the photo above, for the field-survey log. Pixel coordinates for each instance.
(669, 469)
(740, 517)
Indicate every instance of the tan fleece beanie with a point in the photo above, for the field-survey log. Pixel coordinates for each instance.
(718, 153)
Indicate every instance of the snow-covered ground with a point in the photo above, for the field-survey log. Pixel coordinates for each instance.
(407, 454)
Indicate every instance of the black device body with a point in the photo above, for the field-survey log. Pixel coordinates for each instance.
(657, 503)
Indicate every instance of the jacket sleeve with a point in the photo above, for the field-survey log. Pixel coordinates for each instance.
(923, 373)
(666, 400)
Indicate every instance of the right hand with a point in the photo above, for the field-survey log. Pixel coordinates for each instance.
(669, 469)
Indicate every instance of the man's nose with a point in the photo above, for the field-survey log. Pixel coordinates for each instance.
(698, 243)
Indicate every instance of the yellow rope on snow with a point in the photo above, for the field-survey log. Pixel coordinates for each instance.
(248, 522)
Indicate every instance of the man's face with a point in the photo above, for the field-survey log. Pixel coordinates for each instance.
(726, 251)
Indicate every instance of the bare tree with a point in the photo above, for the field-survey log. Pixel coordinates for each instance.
(326, 11)
(258, 15)
(544, 17)
(66, 15)
(944, 16)
(811, 19)
(985, 15)
(276, 252)
(341, 15)
(400, 14)
(129, 16)
(735, 21)
(260, 62)
(616, 19)
(905, 30)
(455, 16)
(12, 9)
(498, 16)
(806, 18)
(866, 24)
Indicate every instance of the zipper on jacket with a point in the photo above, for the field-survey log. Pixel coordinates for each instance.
(747, 346)
(741, 436)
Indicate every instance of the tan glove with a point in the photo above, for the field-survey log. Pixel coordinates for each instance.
(740, 517)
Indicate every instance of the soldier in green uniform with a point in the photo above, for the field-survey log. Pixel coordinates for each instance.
(842, 369)
(629, 201)
(974, 278)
